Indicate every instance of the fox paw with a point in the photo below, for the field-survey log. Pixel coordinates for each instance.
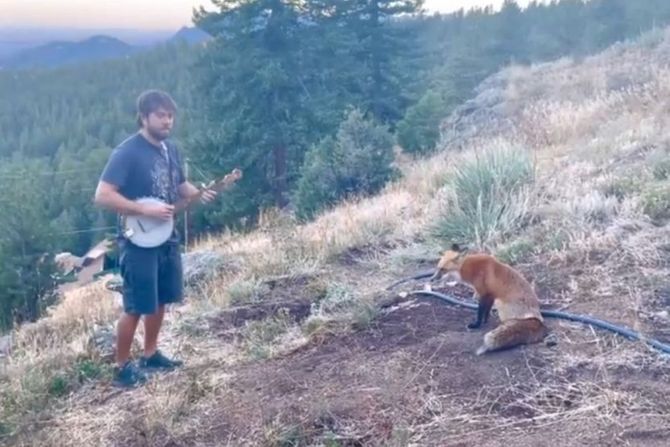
(481, 350)
(473, 325)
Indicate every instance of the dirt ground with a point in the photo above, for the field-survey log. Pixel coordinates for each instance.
(409, 378)
(412, 378)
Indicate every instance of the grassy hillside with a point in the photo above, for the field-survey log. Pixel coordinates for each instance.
(561, 169)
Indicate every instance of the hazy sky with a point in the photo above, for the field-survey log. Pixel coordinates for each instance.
(145, 14)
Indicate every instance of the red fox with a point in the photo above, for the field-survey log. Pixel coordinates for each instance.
(496, 285)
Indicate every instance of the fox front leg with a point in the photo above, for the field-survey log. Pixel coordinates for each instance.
(483, 311)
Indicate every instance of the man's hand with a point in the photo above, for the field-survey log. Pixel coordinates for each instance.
(207, 195)
(159, 211)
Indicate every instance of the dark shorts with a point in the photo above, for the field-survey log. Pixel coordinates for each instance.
(151, 277)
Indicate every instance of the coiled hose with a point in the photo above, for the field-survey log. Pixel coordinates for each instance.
(418, 276)
(625, 332)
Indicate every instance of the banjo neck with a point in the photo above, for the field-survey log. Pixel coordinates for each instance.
(215, 185)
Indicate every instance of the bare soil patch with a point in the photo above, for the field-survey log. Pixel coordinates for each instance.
(413, 375)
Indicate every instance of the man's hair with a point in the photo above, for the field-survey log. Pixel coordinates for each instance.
(150, 101)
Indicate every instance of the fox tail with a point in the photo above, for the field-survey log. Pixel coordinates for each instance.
(513, 333)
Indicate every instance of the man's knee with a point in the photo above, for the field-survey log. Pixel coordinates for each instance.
(139, 304)
(131, 316)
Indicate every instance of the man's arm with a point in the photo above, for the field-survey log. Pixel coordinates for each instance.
(114, 176)
(187, 192)
(108, 196)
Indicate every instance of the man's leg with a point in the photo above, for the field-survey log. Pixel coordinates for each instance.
(125, 332)
(126, 373)
(170, 290)
(152, 326)
(139, 268)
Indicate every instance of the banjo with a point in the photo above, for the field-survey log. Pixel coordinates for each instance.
(148, 232)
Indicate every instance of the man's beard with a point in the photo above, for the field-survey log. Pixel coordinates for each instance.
(159, 134)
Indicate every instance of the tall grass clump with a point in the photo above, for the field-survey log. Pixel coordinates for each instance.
(486, 197)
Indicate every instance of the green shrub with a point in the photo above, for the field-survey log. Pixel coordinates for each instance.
(358, 161)
(622, 187)
(516, 251)
(487, 197)
(419, 130)
(659, 161)
(656, 201)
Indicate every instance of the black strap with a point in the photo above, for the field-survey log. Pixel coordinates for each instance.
(173, 193)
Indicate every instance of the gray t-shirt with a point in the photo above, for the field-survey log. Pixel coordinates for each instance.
(141, 169)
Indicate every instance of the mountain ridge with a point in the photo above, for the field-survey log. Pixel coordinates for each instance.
(95, 47)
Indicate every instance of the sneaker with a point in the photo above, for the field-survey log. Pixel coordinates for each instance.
(159, 361)
(128, 375)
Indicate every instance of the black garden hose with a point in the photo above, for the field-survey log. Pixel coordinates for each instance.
(417, 276)
(625, 332)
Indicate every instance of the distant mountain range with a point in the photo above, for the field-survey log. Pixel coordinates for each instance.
(58, 53)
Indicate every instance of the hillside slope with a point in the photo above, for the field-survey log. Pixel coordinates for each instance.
(296, 342)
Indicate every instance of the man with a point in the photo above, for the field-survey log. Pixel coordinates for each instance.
(146, 164)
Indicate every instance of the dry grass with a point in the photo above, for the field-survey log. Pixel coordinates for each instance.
(555, 396)
(269, 337)
(594, 236)
(68, 322)
(52, 357)
(340, 303)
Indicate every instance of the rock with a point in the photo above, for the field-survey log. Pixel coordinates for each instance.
(199, 266)
(101, 343)
(115, 284)
(662, 314)
(5, 345)
(203, 265)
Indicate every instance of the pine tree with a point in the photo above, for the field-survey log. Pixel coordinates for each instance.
(275, 87)
(382, 49)
(358, 161)
(27, 241)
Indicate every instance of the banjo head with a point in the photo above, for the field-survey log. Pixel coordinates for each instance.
(146, 231)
